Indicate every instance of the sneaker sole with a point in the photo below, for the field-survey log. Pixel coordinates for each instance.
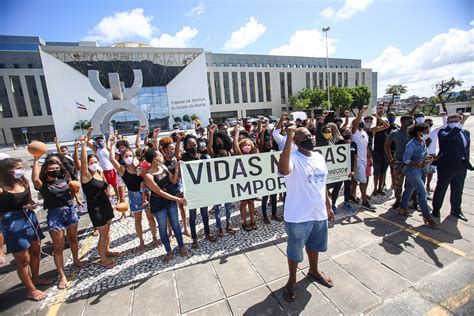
(368, 209)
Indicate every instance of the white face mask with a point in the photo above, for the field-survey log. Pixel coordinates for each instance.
(368, 125)
(94, 167)
(18, 173)
(128, 160)
(420, 119)
(424, 137)
(453, 125)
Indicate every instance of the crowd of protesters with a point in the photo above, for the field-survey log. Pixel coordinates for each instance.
(149, 177)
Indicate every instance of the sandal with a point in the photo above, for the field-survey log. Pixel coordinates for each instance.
(254, 226)
(246, 227)
(323, 280)
(109, 265)
(289, 294)
(113, 254)
(211, 238)
(183, 251)
(168, 257)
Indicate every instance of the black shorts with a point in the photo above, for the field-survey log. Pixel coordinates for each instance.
(380, 164)
(99, 215)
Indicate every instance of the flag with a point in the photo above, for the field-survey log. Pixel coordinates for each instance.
(81, 106)
(91, 100)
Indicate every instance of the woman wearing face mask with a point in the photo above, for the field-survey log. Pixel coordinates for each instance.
(133, 182)
(220, 145)
(21, 230)
(62, 217)
(415, 158)
(168, 149)
(162, 202)
(192, 152)
(98, 203)
(245, 147)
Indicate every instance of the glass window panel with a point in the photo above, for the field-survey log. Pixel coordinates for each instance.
(268, 88)
(18, 96)
(33, 93)
(4, 102)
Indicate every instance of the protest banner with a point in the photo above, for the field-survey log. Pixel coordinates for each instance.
(220, 180)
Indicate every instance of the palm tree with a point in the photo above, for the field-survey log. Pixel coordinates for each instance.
(82, 125)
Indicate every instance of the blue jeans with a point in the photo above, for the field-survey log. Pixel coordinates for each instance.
(169, 212)
(414, 182)
(205, 221)
(228, 215)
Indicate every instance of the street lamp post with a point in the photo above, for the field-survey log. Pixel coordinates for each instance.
(326, 30)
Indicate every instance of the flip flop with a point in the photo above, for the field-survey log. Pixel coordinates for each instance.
(113, 254)
(109, 265)
(247, 227)
(289, 294)
(324, 280)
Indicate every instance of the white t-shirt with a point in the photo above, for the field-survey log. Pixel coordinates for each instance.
(306, 188)
(362, 141)
(104, 159)
(281, 140)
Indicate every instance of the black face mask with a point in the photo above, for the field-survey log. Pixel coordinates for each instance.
(219, 147)
(347, 136)
(307, 143)
(54, 173)
(192, 150)
(361, 124)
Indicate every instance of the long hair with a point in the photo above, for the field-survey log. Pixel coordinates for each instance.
(249, 142)
(227, 142)
(186, 140)
(6, 175)
(67, 167)
(45, 166)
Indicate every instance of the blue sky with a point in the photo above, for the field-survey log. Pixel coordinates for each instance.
(411, 42)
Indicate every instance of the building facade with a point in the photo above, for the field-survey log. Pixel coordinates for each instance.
(44, 89)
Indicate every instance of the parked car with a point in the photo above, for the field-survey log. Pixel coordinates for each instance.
(232, 121)
(273, 119)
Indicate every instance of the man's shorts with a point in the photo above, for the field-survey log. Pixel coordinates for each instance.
(110, 177)
(380, 164)
(361, 171)
(312, 234)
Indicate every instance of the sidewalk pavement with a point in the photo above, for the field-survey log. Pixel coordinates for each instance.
(381, 264)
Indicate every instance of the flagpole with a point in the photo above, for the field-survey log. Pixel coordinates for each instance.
(78, 119)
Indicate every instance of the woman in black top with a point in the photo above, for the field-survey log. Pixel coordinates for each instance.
(62, 217)
(162, 202)
(133, 182)
(20, 226)
(98, 203)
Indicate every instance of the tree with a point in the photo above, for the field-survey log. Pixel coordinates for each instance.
(186, 118)
(194, 117)
(444, 90)
(432, 101)
(82, 125)
(360, 96)
(177, 119)
(463, 96)
(341, 98)
(396, 89)
(313, 98)
(301, 104)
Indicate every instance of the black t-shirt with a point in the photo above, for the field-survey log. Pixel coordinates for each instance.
(56, 193)
(353, 152)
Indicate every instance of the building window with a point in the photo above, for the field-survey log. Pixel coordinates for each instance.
(290, 84)
(308, 80)
(33, 93)
(268, 87)
(238, 65)
(31, 66)
(235, 87)
(243, 85)
(217, 86)
(339, 79)
(315, 79)
(357, 79)
(16, 66)
(230, 65)
(252, 86)
(260, 87)
(346, 79)
(226, 88)
(363, 78)
(209, 87)
(282, 88)
(5, 109)
(45, 94)
(18, 96)
(333, 78)
(321, 78)
(2, 66)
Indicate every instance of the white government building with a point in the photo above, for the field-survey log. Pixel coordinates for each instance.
(44, 88)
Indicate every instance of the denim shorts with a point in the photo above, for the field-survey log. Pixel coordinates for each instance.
(19, 228)
(62, 217)
(135, 201)
(313, 235)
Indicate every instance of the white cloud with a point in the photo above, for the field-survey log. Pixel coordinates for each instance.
(309, 43)
(446, 55)
(197, 10)
(123, 25)
(349, 9)
(181, 39)
(246, 35)
(471, 23)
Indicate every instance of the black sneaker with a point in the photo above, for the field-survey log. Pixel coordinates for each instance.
(354, 200)
(368, 206)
